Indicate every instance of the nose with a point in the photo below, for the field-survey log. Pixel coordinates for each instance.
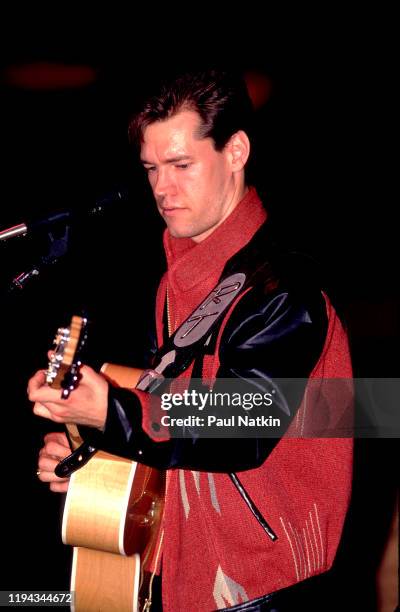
(163, 184)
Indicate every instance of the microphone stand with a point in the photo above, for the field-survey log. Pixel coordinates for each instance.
(58, 247)
(22, 229)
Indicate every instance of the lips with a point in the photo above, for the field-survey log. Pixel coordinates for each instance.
(170, 210)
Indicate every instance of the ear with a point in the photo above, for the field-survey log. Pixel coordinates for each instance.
(238, 148)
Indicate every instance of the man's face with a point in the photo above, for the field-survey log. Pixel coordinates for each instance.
(193, 184)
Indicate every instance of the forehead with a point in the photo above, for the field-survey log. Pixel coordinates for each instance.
(177, 135)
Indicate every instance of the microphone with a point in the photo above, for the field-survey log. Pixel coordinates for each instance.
(101, 205)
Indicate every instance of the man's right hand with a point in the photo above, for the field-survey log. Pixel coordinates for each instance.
(55, 448)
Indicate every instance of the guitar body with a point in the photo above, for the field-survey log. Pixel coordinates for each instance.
(111, 517)
(112, 513)
(105, 581)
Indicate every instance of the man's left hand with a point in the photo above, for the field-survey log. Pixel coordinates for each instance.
(86, 405)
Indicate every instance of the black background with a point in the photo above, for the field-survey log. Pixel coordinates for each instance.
(323, 167)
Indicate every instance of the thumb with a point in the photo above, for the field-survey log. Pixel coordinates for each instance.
(41, 411)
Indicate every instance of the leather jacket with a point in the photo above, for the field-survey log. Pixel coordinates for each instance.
(276, 331)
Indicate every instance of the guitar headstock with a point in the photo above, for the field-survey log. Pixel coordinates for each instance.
(64, 364)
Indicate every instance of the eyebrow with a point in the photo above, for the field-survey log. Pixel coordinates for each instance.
(171, 160)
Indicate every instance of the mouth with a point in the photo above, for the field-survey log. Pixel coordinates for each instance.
(170, 210)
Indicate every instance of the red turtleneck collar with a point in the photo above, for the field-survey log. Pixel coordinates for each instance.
(194, 268)
(191, 263)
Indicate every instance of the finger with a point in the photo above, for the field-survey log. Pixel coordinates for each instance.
(41, 410)
(55, 450)
(52, 411)
(59, 487)
(38, 392)
(48, 411)
(59, 438)
(49, 476)
(89, 375)
(47, 465)
(37, 381)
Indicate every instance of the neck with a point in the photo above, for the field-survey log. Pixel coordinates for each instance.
(240, 189)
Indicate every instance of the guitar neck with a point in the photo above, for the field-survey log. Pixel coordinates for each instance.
(74, 437)
(121, 376)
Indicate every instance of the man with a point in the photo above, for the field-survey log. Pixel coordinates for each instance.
(257, 543)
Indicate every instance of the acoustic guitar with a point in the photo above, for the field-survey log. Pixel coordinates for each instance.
(113, 507)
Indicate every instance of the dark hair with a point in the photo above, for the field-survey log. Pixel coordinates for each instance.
(219, 97)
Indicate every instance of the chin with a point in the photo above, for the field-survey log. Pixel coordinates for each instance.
(188, 232)
(176, 233)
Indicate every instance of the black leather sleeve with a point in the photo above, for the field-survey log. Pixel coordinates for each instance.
(275, 336)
